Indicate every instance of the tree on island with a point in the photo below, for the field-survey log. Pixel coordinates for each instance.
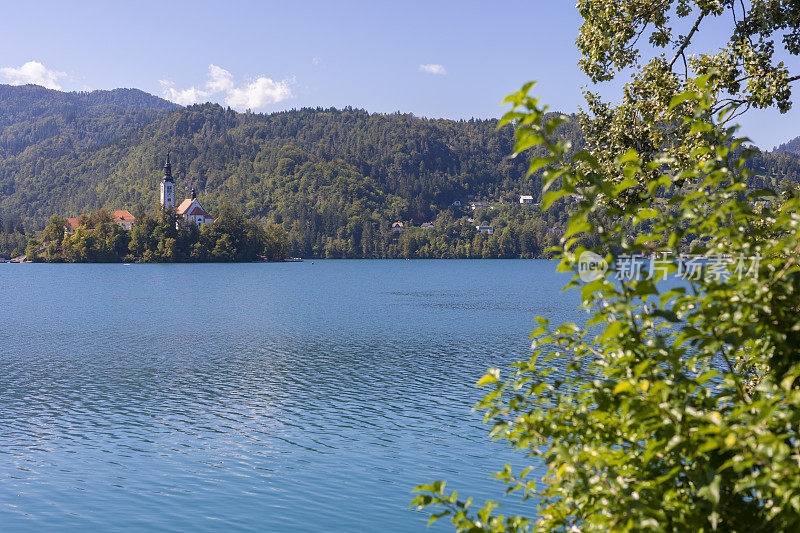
(675, 407)
(164, 238)
(12, 237)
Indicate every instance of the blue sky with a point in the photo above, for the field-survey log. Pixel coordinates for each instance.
(435, 59)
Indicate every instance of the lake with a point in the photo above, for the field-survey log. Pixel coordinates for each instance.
(291, 396)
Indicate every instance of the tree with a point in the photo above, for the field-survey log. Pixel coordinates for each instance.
(32, 250)
(224, 250)
(275, 243)
(54, 232)
(672, 408)
(163, 238)
(657, 42)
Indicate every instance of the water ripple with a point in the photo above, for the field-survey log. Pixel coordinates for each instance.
(250, 397)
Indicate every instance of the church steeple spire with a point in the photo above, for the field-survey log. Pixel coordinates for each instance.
(167, 170)
(167, 186)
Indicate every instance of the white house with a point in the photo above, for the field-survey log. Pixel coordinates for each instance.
(191, 210)
(526, 199)
(488, 230)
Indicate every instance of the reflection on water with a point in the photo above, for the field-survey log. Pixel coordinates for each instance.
(258, 396)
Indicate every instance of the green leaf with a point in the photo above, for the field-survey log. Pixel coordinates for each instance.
(436, 516)
(587, 158)
(630, 156)
(711, 491)
(666, 314)
(625, 184)
(536, 164)
(760, 193)
(550, 197)
(678, 99)
(705, 376)
(623, 386)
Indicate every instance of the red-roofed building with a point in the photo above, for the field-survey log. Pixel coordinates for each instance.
(72, 225)
(190, 209)
(124, 219)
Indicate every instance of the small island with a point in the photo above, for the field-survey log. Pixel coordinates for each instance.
(172, 235)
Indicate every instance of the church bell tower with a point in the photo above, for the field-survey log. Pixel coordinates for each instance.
(167, 187)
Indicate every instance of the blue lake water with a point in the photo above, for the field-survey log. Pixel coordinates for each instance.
(294, 396)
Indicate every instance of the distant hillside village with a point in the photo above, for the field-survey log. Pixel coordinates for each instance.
(400, 226)
(187, 233)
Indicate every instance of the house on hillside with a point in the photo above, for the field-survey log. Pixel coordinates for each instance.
(427, 225)
(398, 227)
(478, 205)
(525, 199)
(488, 230)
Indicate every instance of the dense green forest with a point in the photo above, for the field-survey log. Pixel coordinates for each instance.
(335, 180)
(12, 237)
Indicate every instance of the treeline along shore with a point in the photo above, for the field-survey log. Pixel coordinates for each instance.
(163, 238)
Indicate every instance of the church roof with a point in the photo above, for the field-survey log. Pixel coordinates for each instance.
(184, 208)
(186, 204)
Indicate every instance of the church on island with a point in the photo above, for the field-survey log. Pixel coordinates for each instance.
(190, 209)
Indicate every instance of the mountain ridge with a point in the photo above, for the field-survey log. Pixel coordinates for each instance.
(790, 146)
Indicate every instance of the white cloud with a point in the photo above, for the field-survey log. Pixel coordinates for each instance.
(433, 68)
(261, 92)
(254, 95)
(189, 96)
(219, 79)
(32, 72)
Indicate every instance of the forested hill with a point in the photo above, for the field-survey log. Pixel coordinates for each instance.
(31, 115)
(792, 146)
(335, 179)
